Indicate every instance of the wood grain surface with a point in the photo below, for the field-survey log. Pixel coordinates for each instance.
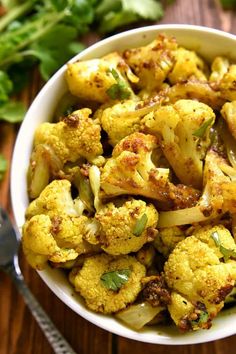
(19, 333)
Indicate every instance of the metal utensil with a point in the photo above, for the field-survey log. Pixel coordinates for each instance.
(9, 244)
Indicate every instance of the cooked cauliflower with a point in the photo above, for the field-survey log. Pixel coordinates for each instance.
(130, 170)
(228, 112)
(187, 65)
(153, 62)
(227, 85)
(219, 68)
(167, 238)
(74, 137)
(100, 298)
(218, 196)
(203, 280)
(196, 90)
(54, 229)
(92, 78)
(184, 140)
(117, 226)
(120, 120)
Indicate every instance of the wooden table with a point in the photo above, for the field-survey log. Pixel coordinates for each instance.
(19, 333)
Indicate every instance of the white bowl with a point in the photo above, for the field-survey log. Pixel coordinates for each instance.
(208, 43)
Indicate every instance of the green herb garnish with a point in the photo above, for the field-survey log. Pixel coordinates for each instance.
(120, 90)
(227, 253)
(203, 318)
(115, 279)
(3, 166)
(140, 225)
(200, 132)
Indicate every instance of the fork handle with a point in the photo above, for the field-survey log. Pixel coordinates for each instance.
(54, 337)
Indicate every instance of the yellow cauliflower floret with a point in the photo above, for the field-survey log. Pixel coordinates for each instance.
(228, 112)
(195, 270)
(187, 65)
(184, 139)
(120, 120)
(227, 85)
(74, 137)
(55, 199)
(153, 62)
(39, 244)
(117, 226)
(131, 170)
(54, 230)
(196, 90)
(90, 79)
(97, 296)
(219, 67)
(167, 238)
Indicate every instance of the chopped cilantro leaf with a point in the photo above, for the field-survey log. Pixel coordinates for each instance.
(115, 279)
(140, 225)
(200, 132)
(120, 90)
(227, 253)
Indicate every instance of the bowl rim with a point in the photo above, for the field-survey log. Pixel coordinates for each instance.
(92, 317)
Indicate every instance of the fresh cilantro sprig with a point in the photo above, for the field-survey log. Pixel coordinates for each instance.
(227, 253)
(115, 279)
(118, 13)
(45, 32)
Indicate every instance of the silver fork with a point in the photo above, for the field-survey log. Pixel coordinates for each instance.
(9, 244)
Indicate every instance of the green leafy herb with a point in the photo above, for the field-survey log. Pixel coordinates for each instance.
(120, 90)
(228, 4)
(5, 86)
(3, 166)
(140, 225)
(12, 112)
(118, 13)
(203, 318)
(46, 32)
(199, 133)
(115, 279)
(227, 253)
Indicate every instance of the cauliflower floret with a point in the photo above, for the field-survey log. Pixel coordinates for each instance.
(75, 136)
(120, 120)
(184, 130)
(227, 86)
(204, 281)
(130, 170)
(187, 65)
(97, 295)
(195, 90)
(55, 199)
(54, 229)
(91, 79)
(218, 197)
(39, 244)
(167, 238)
(229, 114)
(219, 67)
(117, 226)
(153, 62)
